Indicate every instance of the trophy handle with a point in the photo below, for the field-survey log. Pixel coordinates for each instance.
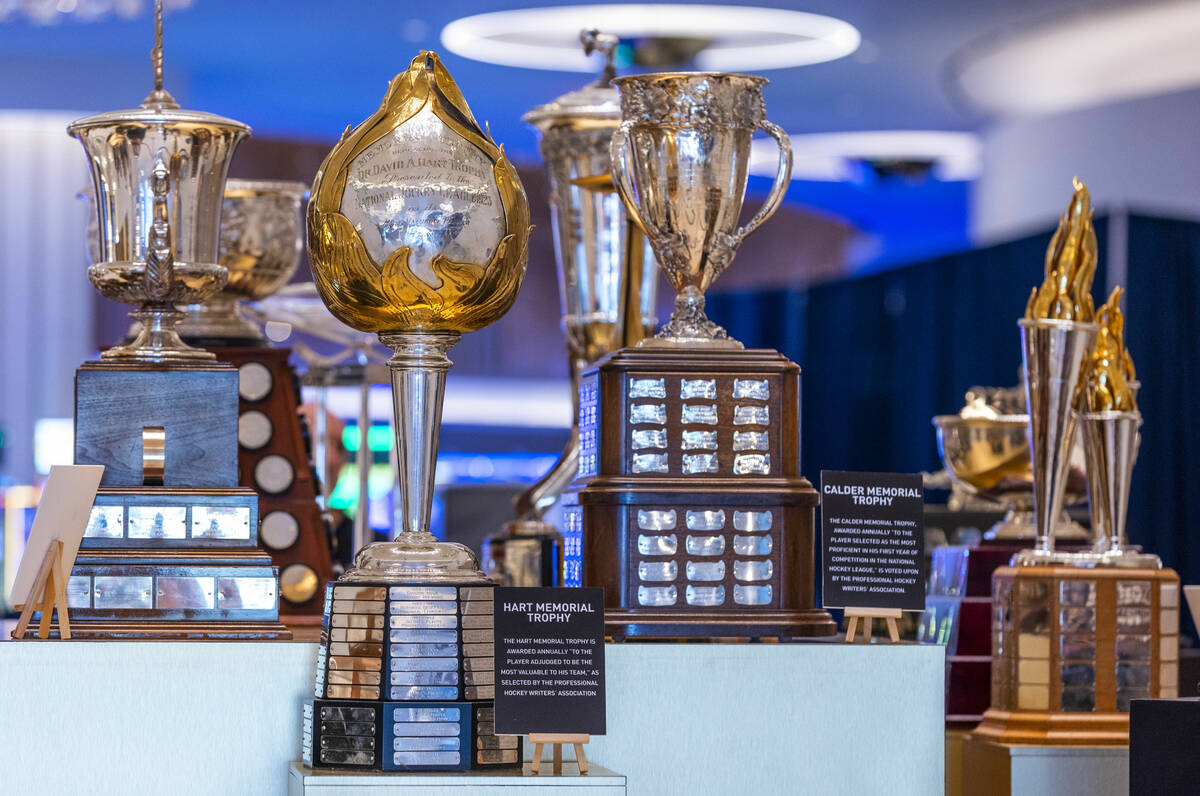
(782, 178)
(160, 260)
(617, 149)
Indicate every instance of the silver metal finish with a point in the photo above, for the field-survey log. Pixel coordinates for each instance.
(680, 161)
(1053, 352)
(1111, 441)
(260, 244)
(158, 174)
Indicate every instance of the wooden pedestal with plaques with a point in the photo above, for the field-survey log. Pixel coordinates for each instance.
(274, 459)
(1071, 647)
(688, 508)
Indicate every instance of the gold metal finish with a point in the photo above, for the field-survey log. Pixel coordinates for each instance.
(390, 296)
(1066, 294)
(1111, 376)
(298, 583)
(154, 455)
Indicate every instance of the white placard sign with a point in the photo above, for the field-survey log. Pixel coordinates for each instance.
(62, 515)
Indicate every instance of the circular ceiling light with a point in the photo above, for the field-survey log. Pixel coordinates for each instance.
(735, 37)
(1084, 60)
(844, 157)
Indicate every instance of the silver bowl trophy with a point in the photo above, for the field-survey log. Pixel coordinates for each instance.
(171, 548)
(688, 507)
(607, 282)
(260, 244)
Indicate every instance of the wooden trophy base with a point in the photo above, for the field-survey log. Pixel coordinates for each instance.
(658, 623)
(1027, 727)
(171, 631)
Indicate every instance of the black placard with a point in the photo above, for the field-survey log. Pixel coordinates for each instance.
(549, 661)
(872, 540)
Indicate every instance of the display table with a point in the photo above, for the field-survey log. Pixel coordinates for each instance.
(992, 769)
(224, 717)
(304, 781)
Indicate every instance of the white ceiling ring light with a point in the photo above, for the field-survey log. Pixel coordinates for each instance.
(740, 37)
(839, 157)
(1084, 60)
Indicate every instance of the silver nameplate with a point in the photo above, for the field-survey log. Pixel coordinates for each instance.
(106, 522)
(424, 692)
(359, 592)
(479, 678)
(428, 622)
(340, 757)
(157, 522)
(477, 621)
(426, 714)
(425, 678)
(424, 664)
(422, 593)
(198, 593)
(480, 692)
(422, 650)
(478, 607)
(123, 592)
(496, 756)
(479, 664)
(79, 591)
(427, 607)
(357, 606)
(220, 522)
(250, 594)
(356, 620)
(424, 636)
(477, 593)
(485, 635)
(435, 744)
(347, 714)
(425, 729)
(426, 758)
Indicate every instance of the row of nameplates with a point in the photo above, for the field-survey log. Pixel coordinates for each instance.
(390, 737)
(407, 643)
(141, 519)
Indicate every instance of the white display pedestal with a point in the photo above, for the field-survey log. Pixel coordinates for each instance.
(112, 717)
(304, 781)
(992, 769)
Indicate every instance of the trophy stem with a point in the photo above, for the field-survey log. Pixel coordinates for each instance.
(157, 340)
(418, 368)
(1053, 352)
(689, 326)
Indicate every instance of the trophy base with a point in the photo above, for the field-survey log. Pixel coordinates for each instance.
(169, 631)
(1042, 728)
(1019, 524)
(649, 623)
(524, 553)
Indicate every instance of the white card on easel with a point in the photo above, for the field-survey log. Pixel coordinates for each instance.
(62, 515)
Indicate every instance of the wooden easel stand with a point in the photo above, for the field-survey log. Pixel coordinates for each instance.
(540, 739)
(868, 614)
(49, 590)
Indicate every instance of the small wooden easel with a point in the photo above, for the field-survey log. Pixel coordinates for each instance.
(49, 591)
(867, 614)
(540, 739)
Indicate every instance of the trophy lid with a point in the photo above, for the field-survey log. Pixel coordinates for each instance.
(595, 101)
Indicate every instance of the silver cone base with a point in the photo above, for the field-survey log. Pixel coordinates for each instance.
(415, 558)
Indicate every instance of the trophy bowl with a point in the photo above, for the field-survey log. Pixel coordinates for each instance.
(260, 245)
(989, 457)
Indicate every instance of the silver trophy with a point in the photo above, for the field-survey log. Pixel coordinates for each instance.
(607, 282)
(158, 173)
(680, 161)
(260, 243)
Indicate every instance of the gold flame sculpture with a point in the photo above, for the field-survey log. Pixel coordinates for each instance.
(394, 295)
(1066, 293)
(1111, 369)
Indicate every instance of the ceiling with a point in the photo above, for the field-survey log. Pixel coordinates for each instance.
(306, 70)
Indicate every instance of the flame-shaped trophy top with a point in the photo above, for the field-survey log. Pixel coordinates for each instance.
(418, 221)
(418, 230)
(1066, 294)
(1111, 374)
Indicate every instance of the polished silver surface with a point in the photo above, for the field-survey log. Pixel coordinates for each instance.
(697, 463)
(106, 522)
(418, 373)
(658, 571)
(280, 530)
(642, 438)
(705, 570)
(656, 519)
(705, 595)
(157, 522)
(751, 416)
(423, 622)
(657, 596)
(752, 595)
(259, 245)
(657, 545)
(647, 388)
(274, 474)
(705, 545)
(712, 520)
(79, 591)
(250, 594)
(158, 174)
(649, 463)
(703, 414)
(220, 522)
(752, 464)
(254, 381)
(648, 413)
(126, 592)
(679, 160)
(197, 593)
(1053, 353)
(697, 440)
(755, 389)
(697, 388)
(254, 430)
(1111, 441)
(752, 520)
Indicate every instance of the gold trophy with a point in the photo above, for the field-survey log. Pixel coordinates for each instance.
(1076, 636)
(418, 232)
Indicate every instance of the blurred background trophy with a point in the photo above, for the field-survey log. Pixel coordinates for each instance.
(171, 548)
(688, 507)
(607, 281)
(1077, 635)
(418, 232)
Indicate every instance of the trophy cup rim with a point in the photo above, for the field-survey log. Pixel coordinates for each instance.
(154, 116)
(238, 188)
(1058, 323)
(948, 421)
(653, 77)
